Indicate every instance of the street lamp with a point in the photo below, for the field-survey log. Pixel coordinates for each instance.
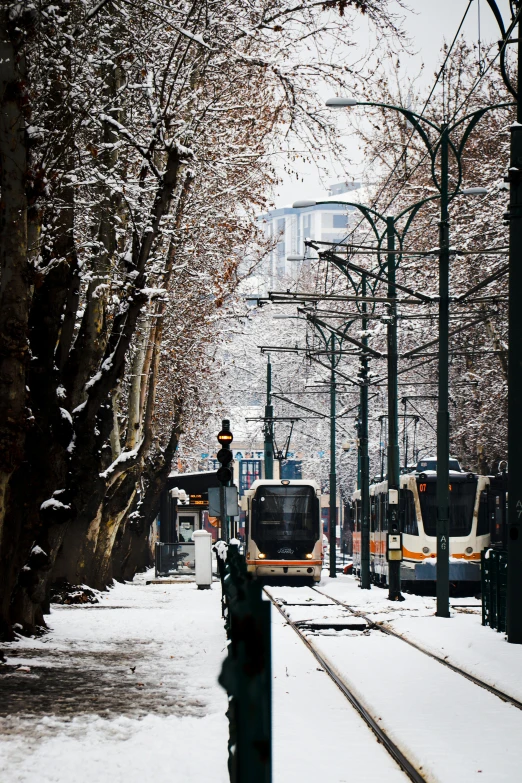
(442, 146)
(390, 233)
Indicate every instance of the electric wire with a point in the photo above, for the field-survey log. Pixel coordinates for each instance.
(482, 73)
(428, 99)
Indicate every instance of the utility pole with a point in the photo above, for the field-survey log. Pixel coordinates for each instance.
(364, 459)
(394, 566)
(443, 412)
(269, 425)
(514, 538)
(333, 474)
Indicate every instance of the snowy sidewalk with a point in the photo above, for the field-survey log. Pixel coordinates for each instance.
(119, 692)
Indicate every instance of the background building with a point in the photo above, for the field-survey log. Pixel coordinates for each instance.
(290, 227)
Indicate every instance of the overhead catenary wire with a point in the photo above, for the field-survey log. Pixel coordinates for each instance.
(428, 99)
(482, 74)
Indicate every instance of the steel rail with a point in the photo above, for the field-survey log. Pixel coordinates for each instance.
(394, 751)
(387, 630)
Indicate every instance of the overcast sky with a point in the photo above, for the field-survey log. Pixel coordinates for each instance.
(429, 24)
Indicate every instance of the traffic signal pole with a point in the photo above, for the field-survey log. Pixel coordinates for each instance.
(514, 538)
(224, 474)
(269, 425)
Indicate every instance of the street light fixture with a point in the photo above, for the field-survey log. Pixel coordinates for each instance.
(342, 102)
(302, 257)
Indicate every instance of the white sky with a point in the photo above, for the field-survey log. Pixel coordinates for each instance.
(429, 24)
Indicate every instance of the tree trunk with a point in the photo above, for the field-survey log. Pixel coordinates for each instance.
(115, 507)
(15, 282)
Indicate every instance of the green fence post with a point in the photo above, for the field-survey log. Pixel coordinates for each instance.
(247, 674)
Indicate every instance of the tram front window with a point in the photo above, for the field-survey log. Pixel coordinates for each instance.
(462, 503)
(285, 513)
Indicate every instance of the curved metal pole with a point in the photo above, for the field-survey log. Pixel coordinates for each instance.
(411, 116)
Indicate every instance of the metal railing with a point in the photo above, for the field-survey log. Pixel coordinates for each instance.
(172, 559)
(246, 673)
(494, 588)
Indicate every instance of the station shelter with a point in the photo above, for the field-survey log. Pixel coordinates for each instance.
(178, 520)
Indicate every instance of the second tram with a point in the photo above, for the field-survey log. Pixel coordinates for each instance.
(283, 535)
(473, 504)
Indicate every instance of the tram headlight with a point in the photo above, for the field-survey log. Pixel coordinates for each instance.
(261, 556)
(469, 550)
(309, 557)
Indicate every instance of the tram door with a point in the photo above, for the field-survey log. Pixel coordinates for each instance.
(187, 523)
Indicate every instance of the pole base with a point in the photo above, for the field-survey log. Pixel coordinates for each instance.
(395, 597)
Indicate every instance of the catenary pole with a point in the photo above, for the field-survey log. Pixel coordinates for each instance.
(365, 462)
(443, 412)
(333, 473)
(514, 538)
(269, 425)
(394, 566)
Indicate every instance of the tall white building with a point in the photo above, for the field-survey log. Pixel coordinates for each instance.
(289, 227)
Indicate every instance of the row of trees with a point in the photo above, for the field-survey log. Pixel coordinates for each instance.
(136, 148)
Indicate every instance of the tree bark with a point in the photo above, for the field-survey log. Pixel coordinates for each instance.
(16, 279)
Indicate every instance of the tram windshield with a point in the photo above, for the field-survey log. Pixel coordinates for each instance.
(462, 503)
(431, 464)
(285, 513)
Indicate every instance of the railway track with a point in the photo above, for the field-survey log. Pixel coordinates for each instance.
(395, 752)
(390, 632)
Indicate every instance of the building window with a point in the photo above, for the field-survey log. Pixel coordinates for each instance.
(339, 221)
(307, 226)
(249, 471)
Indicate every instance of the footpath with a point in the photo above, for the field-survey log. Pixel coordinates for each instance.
(123, 691)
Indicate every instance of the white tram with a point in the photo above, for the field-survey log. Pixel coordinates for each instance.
(469, 524)
(283, 535)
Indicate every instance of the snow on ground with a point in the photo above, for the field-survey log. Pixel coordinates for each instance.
(317, 734)
(452, 730)
(126, 691)
(119, 692)
(462, 639)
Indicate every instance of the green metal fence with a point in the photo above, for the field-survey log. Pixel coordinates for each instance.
(494, 585)
(246, 673)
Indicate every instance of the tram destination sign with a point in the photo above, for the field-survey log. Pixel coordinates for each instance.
(198, 499)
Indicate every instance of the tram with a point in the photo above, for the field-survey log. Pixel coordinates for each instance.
(283, 534)
(472, 506)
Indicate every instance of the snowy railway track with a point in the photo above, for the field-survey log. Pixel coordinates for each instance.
(427, 717)
(390, 632)
(395, 752)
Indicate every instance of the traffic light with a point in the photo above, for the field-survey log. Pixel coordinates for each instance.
(225, 455)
